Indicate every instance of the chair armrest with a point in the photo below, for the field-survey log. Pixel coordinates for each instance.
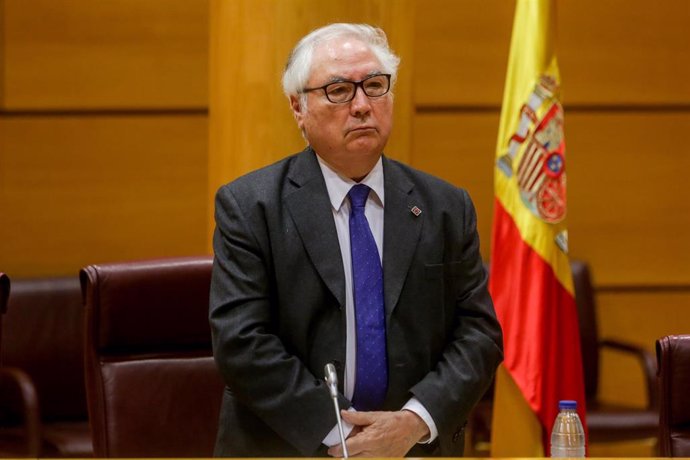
(18, 399)
(647, 362)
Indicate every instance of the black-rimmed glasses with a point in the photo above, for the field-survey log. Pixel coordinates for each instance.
(340, 92)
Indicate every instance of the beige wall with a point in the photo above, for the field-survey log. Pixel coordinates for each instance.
(105, 151)
(103, 132)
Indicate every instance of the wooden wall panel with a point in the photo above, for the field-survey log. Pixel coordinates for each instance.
(619, 52)
(79, 190)
(76, 54)
(2, 53)
(626, 176)
(459, 148)
(628, 206)
(625, 52)
(641, 318)
(621, 313)
(461, 51)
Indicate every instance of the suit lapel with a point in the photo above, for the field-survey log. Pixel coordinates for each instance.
(310, 209)
(401, 232)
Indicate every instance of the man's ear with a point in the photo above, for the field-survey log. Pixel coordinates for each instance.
(297, 110)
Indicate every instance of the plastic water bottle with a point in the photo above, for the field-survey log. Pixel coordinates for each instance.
(568, 435)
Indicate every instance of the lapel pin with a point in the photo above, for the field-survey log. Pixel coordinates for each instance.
(416, 211)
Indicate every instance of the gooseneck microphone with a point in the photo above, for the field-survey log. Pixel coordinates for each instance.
(332, 384)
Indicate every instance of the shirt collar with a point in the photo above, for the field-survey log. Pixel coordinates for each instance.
(338, 186)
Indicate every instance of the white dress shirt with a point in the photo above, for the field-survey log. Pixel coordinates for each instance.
(338, 188)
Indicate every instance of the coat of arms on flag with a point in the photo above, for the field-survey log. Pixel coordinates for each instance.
(539, 148)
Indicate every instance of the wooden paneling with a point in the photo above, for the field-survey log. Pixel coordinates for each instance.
(663, 312)
(461, 51)
(626, 449)
(639, 317)
(618, 52)
(628, 201)
(76, 54)
(626, 182)
(459, 148)
(2, 53)
(80, 190)
(624, 52)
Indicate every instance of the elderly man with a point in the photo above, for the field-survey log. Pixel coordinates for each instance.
(340, 255)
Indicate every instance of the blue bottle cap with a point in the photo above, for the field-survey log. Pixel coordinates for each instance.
(567, 404)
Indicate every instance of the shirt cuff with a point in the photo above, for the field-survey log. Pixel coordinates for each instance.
(333, 436)
(413, 405)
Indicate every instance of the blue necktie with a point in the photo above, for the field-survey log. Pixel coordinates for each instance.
(371, 380)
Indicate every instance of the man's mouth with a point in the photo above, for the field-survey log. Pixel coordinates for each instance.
(362, 129)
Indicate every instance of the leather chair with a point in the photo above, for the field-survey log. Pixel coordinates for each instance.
(4, 295)
(42, 345)
(152, 386)
(673, 358)
(19, 419)
(608, 422)
(605, 422)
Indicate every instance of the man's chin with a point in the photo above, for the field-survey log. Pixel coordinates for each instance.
(365, 143)
(362, 151)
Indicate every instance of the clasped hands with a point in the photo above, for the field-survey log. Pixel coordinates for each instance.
(381, 434)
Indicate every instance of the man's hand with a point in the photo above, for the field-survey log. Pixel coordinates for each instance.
(381, 434)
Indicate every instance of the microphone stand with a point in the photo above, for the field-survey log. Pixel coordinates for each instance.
(332, 383)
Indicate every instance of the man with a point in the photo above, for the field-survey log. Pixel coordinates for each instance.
(299, 281)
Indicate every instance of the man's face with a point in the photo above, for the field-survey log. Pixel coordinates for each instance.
(349, 136)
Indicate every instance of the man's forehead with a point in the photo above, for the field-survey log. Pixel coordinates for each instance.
(335, 46)
(334, 59)
(343, 50)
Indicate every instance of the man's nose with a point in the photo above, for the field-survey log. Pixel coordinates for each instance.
(360, 104)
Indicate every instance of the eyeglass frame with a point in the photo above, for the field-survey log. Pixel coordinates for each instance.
(358, 84)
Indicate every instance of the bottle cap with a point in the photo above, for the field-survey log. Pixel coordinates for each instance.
(567, 404)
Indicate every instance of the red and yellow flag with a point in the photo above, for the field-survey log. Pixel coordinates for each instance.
(530, 280)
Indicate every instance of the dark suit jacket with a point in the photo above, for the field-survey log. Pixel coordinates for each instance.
(278, 296)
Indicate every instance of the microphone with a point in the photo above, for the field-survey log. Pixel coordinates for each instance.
(332, 384)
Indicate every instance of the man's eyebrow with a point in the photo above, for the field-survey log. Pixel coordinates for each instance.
(340, 79)
(336, 79)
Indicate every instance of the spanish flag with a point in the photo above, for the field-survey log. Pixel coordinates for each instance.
(530, 278)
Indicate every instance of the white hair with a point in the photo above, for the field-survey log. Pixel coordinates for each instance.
(298, 67)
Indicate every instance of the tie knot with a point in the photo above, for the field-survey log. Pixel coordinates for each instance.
(358, 195)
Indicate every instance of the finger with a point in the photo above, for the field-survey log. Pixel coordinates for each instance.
(335, 451)
(354, 448)
(358, 418)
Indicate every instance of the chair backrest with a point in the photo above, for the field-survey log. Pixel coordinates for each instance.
(153, 389)
(673, 364)
(4, 294)
(43, 336)
(587, 321)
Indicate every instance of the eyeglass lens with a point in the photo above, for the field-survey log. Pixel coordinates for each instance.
(344, 91)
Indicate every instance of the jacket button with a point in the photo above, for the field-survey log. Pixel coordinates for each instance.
(456, 436)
